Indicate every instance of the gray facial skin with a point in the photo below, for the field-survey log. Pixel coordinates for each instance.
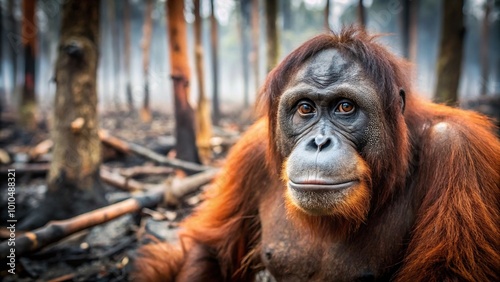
(323, 145)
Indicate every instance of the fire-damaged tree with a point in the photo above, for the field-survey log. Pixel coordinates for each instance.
(147, 28)
(184, 114)
(27, 107)
(73, 180)
(203, 120)
(449, 63)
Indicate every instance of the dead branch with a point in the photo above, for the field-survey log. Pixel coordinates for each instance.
(113, 142)
(65, 277)
(117, 180)
(181, 187)
(57, 230)
(145, 170)
(128, 147)
(41, 149)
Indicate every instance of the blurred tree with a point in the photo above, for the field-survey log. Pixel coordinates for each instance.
(409, 18)
(115, 51)
(272, 34)
(214, 38)
(126, 26)
(449, 63)
(244, 28)
(361, 14)
(146, 45)
(485, 44)
(327, 15)
(203, 120)
(255, 42)
(184, 114)
(29, 34)
(73, 180)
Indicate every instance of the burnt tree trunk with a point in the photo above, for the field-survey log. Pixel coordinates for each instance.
(203, 120)
(146, 45)
(126, 51)
(29, 33)
(73, 180)
(272, 34)
(214, 42)
(184, 114)
(449, 62)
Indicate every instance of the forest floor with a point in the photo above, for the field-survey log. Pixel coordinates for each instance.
(104, 252)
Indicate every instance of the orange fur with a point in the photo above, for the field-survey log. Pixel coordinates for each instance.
(457, 234)
(230, 208)
(158, 262)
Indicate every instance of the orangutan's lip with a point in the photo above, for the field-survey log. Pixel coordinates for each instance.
(320, 186)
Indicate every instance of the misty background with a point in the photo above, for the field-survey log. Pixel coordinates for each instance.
(298, 20)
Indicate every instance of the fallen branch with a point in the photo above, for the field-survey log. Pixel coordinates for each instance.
(127, 147)
(145, 170)
(40, 149)
(113, 142)
(181, 187)
(122, 182)
(57, 230)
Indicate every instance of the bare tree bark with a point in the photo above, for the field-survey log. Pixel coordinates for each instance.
(449, 64)
(29, 38)
(146, 45)
(272, 34)
(203, 119)
(214, 40)
(184, 114)
(73, 180)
